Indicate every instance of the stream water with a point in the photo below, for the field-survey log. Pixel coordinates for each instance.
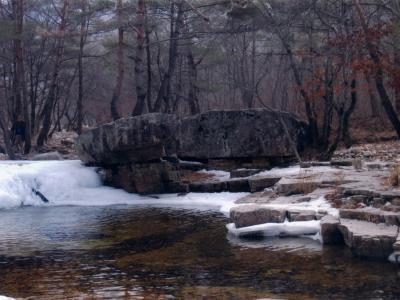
(141, 252)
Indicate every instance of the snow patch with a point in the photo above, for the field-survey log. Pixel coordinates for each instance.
(218, 175)
(296, 170)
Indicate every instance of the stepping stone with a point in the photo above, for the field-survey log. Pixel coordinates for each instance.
(249, 215)
(330, 232)
(370, 214)
(367, 239)
(238, 185)
(260, 183)
(293, 186)
(301, 215)
(208, 187)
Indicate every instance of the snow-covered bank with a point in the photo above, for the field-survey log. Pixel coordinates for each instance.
(6, 298)
(71, 183)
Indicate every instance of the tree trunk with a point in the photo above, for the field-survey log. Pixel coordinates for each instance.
(164, 93)
(20, 96)
(120, 63)
(140, 78)
(194, 107)
(51, 97)
(82, 41)
(149, 69)
(348, 141)
(378, 75)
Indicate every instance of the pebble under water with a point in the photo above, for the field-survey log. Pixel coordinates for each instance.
(139, 252)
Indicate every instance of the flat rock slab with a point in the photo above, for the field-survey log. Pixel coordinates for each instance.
(367, 239)
(301, 215)
(249, 215)
(371, 214)
(260, 183)
(292, 186)
(208, 187)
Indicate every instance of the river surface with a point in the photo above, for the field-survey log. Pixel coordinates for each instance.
(139, 252)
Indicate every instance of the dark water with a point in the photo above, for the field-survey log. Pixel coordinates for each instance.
(159, 253)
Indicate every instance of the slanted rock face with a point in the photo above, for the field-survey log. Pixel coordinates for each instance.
(131, 140)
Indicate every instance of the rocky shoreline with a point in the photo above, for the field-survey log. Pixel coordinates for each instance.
(349, 200)
(354, 207)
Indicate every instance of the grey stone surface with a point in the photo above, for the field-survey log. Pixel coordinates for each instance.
(249, 215)
(131, 140)
(367, 239)
(238, 185)
(208, 187)
(259, 183)
(238, 134)
(301, 215)
(364, 214)
(330, 232)
(292, 186)
(146, 178)
(370, 214)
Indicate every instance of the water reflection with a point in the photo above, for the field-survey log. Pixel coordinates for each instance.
(127, 252)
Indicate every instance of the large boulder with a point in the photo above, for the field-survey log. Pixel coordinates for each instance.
(239, 134)
(211, 135)
(129, 140)
(139, 153)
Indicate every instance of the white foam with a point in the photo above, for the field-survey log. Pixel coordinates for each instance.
(71, 183)
(6, 298)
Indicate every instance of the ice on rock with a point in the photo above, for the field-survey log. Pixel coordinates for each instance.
(277, 229)
(72, 183)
